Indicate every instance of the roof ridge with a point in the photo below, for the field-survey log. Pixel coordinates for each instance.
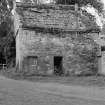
(45, 6)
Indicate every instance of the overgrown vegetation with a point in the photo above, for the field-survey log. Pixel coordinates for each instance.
(95, 3)
(87, 60)
(85, 51)
(7, 41)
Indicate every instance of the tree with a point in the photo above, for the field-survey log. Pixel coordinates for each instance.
(6, 29)
(95, 3)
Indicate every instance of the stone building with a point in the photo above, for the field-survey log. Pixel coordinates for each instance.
(48, 36)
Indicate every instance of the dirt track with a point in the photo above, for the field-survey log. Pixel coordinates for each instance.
(14, 92)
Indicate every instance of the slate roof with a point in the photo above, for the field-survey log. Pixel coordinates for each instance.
(54, 17)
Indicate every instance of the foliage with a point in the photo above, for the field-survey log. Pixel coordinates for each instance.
(96, 4)
(6, 29)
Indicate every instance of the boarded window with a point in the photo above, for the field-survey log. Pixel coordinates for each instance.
(30, 64)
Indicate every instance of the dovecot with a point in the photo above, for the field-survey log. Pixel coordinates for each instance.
(50, 37)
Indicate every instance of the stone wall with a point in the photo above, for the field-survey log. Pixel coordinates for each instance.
(76, 50)
(46, 31)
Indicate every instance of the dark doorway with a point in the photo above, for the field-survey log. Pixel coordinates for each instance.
(102, 48)
(58, 65)
(2, 60)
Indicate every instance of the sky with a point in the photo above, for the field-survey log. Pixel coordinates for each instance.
(17, 0)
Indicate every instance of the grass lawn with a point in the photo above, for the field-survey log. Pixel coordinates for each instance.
(98, 81)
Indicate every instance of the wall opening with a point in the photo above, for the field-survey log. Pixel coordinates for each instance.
(102, 48)
(2, 60)
(31, 63)
(58, 70)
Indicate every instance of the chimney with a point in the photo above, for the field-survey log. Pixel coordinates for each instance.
(76, 7)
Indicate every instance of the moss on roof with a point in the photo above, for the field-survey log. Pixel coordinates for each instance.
(58, 17)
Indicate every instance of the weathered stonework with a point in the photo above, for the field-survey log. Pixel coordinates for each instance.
(49, 33)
